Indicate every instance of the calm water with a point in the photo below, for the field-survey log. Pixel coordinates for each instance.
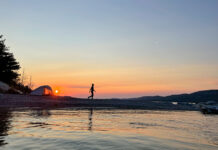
(107, 129)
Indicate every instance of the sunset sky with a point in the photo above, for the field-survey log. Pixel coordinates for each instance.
(128, 48)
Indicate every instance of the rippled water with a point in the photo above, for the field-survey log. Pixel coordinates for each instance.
(107, 129)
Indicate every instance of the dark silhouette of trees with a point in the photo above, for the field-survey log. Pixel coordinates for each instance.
(9, 70)
(8, 64)
(21, 87)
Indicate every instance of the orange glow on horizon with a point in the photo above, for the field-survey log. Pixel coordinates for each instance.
(127, 82)
(56, 91)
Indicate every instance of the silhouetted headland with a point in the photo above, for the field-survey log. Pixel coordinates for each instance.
(173, 102)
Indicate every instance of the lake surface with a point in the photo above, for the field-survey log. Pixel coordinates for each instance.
(106, 129)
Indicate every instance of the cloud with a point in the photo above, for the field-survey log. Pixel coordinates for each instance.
(78, 87)
(100, 86)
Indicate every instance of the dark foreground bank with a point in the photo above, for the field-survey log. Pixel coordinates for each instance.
(20, 101)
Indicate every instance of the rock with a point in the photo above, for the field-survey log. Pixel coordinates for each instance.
(4, 87)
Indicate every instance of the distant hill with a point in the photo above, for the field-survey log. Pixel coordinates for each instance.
(196, 97)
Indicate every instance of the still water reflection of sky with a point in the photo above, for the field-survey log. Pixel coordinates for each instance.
(107, 129)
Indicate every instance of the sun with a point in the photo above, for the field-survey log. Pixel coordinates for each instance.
(56, 91)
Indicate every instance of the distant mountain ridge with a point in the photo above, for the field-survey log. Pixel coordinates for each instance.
(200, 96)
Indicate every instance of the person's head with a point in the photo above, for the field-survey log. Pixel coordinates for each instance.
(92, 84)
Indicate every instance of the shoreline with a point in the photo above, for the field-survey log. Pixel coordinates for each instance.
(49, 102)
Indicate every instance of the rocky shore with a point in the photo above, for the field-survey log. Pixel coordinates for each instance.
(49, 102)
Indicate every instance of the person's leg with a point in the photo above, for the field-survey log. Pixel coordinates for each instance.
(92, 95)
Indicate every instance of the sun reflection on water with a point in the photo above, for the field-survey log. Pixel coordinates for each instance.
(68, 124)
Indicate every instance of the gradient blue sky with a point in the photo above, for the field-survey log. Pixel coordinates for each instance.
(127, 47)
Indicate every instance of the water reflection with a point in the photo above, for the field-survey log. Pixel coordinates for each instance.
(5, 124)
(38, 113)
(106, 129)
(90, 119)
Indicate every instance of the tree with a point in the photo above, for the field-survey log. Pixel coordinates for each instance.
(8, 64)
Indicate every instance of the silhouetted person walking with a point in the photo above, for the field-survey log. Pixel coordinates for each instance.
(92, 90)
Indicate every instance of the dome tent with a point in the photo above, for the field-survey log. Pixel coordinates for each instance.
(42, 90)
